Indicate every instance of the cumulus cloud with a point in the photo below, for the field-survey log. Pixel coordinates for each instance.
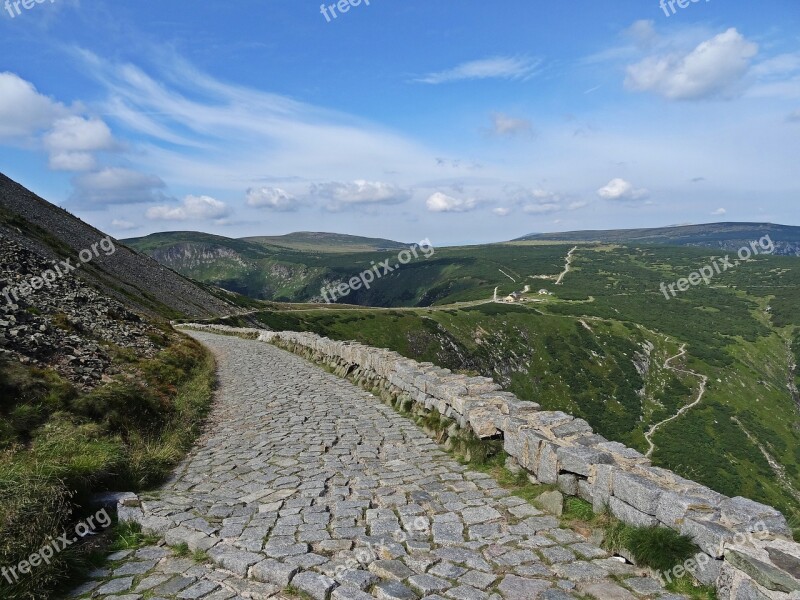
(500, 67)
(619, 189)
(79, 134)
(504, 125)
(272, 198)
(116, 185)
(501, 211)
(72, 139)
(359, 193)
(719, 212)
(712, 68)
(23, 110)
(439, 202)
(192, 208)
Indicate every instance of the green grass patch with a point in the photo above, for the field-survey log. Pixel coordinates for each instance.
(59, 446)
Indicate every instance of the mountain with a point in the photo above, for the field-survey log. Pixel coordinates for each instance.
(309, 241)
(129, 276)
(724, 236)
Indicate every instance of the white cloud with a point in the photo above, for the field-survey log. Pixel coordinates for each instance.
(272, 198)
(501, 211)
(539, 201)
(439, 202)
(116, 185)
(501, 67)
(505, 125)
(23, 110)
(713, 68)
(79, 134)
(719, 212)
(192, 208)
(72, 161)
(72, 139)
(619, 189)
(123, 225)
(359, 193)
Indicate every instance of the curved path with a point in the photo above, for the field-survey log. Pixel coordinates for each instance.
(567, 266)
(306, 478)
(703, 382)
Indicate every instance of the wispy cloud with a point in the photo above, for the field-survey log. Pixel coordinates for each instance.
(500, 67)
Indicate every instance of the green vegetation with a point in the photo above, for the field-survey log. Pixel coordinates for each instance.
(596, 348)
(58, 446)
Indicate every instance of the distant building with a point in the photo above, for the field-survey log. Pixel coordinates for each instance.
(513, 297)
(544, 292)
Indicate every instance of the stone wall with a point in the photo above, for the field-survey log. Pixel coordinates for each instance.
(747, 547)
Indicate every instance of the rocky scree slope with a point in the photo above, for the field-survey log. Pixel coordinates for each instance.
(68, 326)
(128, 276)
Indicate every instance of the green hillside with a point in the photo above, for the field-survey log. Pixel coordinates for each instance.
(597, 347)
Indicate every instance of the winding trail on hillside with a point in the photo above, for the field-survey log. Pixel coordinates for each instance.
(567, 266)
(304, 479)
(702, 390)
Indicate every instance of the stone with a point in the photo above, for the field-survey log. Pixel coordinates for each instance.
(605, 590)
(709, 536)
(766, 575)
(638, 492)
(273, 571)
(480, 514)
(350, 593)
(519, 588)
(115, 586)
(568, 483)
(427, 584)
(552, 502)
(630, 515)
(391, 569)
(393, 590)
(581, 460)
(317, 586)
(547, 470)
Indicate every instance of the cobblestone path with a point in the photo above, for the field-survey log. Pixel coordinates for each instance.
(306, 484)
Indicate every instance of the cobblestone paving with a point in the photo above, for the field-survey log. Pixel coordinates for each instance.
(305, 480)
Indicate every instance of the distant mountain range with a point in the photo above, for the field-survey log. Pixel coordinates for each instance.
(725, 236)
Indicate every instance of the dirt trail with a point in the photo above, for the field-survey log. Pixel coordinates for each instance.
(703, 382)
(566, 266)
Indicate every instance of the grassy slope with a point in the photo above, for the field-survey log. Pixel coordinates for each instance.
(58, 446)
(738, 332)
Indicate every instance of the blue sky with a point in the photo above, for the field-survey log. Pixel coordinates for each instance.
(458, 121)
